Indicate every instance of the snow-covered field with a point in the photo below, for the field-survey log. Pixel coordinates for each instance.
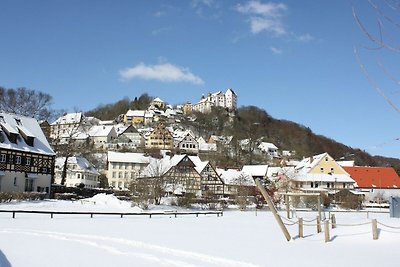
(236, 239)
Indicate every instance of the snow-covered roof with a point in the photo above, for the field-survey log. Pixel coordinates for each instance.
(156, 167)
(100, 130)
(127, 157)
(200, 165)
(255, 170)
(158, 100)
(17, 124)
(273, 172)
(81, 162)
(309, 163)
(135, 113)
(69, 118)
(267, 146)
(346, 163)
(233, 176)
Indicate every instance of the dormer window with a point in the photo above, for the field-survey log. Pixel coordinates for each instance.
(18, 121)
(2, 119)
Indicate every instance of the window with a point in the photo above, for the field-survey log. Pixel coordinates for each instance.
(326, 159)
(27, 161)
(312, 184)
(44, 169)
(17, 159)
(3, 157)
(332, 170)
(18, 121)
(322, 169)
(78, 176)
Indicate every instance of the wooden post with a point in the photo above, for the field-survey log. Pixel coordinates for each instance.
(91, 215)
(287, 206)
(301, 227)
(273, 209)
(122, 215)
(319, 205)
(319, 230)
(374, 229)
(13, 214)
(51, 215)
(333, 219)
(326, 230)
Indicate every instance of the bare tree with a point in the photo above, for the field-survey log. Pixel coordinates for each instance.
(381, 27)
(26, 102)
(70, 140)
(151, 184)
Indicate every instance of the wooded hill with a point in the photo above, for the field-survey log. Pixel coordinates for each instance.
(255, 124)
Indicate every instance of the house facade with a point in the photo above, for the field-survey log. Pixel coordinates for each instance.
(124, 168)
(183, 177)
(79, 172)
(187, 144)
(26, 158)
(160, 138)
(212, 186)
(321, 173)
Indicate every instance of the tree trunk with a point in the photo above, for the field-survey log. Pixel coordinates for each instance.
(64, 171)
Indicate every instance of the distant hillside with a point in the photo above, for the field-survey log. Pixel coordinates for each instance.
(253, 123)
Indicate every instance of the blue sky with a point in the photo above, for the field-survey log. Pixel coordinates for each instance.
(295, 59)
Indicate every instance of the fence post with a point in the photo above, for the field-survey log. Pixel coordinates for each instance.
(319, 230)
(333, 219)
(326, 230)
(51, 215)
(301, 227)
(13, 214)
(374, 229)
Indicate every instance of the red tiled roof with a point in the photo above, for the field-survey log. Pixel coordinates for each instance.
(374, 177)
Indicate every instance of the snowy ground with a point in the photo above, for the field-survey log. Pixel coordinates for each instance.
(236, 239)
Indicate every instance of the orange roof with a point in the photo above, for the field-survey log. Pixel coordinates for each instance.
(374, 177)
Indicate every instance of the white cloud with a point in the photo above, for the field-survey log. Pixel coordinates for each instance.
(264, 16)
(305, 38)
(165, 72)
(276, 50)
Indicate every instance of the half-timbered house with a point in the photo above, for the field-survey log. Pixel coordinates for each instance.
(26, 158)
(183, 177)
(212, 185)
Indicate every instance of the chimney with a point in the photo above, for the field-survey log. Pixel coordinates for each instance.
(311, 159)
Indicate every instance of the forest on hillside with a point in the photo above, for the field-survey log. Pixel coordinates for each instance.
(255, 125)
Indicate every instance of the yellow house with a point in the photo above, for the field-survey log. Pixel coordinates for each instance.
(321, 173)
(134, 117)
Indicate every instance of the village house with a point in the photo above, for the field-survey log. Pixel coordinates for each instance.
(71, 124)
(129, 138)
(102, 135)
(158, 103)
(376, 183)
(178, 175)
(256, 171)
(159, 138)
(186, 143)
(124, 168)
(236, 181)
(212, 186)
(321, 173)
(269, 148)
(26, 158)
(80, 172)
(134, 117)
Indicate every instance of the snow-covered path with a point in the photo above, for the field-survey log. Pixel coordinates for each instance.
(236, 239)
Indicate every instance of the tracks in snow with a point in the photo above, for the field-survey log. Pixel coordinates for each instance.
(154, 254)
